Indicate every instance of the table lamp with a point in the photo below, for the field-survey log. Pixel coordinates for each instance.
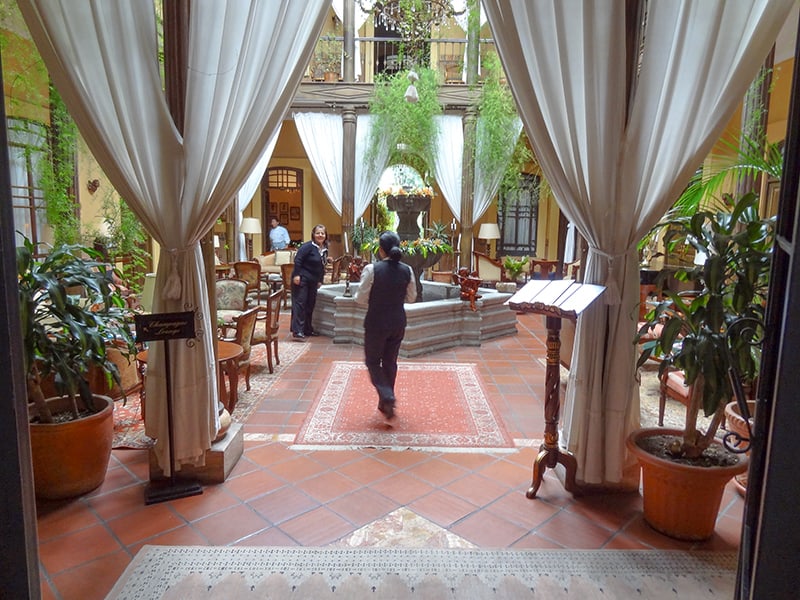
(250, 226)
(489, 232)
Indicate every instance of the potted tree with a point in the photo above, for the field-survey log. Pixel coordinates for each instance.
(714, 331)
(70, 311)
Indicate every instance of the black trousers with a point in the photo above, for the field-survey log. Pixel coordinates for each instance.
(381, 347)
(304, 298)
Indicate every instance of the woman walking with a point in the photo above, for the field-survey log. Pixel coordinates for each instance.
(385, 286)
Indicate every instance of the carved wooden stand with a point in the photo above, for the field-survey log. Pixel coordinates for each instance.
(556, 300)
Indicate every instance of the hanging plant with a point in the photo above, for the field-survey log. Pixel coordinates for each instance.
(498, 131)
(409, 127)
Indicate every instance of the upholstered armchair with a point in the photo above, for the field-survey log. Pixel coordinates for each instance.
(250, 272)
(489, 270)
(231, 299)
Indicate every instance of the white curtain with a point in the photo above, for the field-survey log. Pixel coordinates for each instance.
(245, 194)
(447, 162)
(616, 161)
(489, 175)
(367, 173)
(246, 60)
(323, 138)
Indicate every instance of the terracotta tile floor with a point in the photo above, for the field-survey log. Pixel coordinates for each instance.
(276, 496)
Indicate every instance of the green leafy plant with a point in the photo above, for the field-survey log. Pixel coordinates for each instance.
(439, 231)
(70, 310)
(409, 127)
(57, 174)
(718, 327)
(123, 240)
(514, 266)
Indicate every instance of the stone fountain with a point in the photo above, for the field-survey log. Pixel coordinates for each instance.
(439, 319)
(408, 208)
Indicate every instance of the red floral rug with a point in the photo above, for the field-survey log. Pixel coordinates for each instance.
(439, 405)
(128, 424)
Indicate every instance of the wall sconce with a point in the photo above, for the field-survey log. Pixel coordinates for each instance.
(249, 227)
(92, 185)
(489, 232)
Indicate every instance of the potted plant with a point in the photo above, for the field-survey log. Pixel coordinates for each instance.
(514, 266)
(708, 334)
(327, 62)
(70, 312)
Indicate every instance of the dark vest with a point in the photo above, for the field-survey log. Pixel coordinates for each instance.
(387, 295)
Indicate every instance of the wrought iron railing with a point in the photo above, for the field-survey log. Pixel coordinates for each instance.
(384, 55)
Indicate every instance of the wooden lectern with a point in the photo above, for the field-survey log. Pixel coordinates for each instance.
(556, 299)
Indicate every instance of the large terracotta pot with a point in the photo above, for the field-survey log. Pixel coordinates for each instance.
(70, 459)
(681, 501)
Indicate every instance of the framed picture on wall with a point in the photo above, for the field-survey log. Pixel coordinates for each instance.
(284, 208)
(284, 217)
(294, 213)
(273, 208)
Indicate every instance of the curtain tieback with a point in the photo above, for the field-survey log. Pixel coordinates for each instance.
(612, 295)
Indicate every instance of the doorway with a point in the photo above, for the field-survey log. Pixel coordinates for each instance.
(282, 198)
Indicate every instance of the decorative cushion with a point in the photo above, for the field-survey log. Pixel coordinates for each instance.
(283, 257)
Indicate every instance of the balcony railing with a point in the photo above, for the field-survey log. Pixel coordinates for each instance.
(383, 55)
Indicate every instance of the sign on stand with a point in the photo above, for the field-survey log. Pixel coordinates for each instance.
(165, 327)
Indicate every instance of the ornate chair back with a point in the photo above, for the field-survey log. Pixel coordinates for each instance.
(488, 269)
(231, 294)
(245, 325)
(286, 275)
(543, 269)
(250, 271)
(267, 326)
(231, 300)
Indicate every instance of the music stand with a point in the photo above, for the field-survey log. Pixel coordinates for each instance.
(556, 299)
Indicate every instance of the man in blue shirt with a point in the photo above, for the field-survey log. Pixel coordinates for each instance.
(278, 235)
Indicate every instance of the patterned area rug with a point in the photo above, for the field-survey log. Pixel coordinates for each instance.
(128, 424)
(439, 405)
(186, 572)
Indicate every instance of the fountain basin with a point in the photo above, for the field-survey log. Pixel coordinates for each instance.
(442, 320)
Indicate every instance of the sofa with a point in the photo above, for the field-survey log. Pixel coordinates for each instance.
(271, 261)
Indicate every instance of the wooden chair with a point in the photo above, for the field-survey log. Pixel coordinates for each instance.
(267, 325)
(245, 326)
(488, 269)
(573, 270)
(334, 268)
(286, 274)
(340, 266)
(231, 299)
(543, 269)
(672, 385)
(250, 272)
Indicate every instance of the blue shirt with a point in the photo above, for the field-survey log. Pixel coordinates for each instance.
(279, 237)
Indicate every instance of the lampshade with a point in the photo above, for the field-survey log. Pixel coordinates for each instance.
(250, 225)
(489, 231)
